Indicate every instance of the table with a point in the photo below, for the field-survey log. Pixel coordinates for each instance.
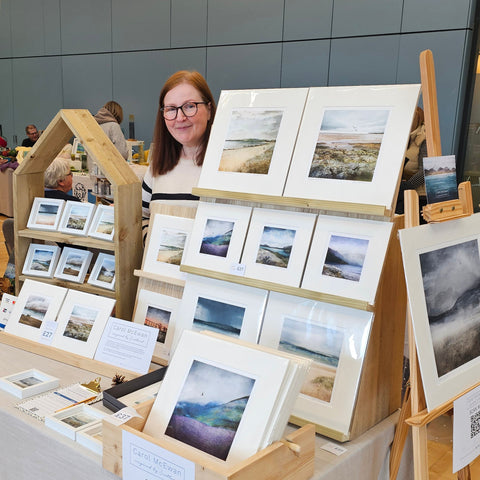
(6, 192)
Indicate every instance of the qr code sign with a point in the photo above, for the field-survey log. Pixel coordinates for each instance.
(475, 424)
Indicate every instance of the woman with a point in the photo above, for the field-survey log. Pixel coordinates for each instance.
(109, 117)
(184, 119)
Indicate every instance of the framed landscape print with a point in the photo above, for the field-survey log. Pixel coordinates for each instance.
(277, 245)
(45, 213)
(28, 383)
(37, 303)
(41, 260)
(161, 312)
(346, 257)
(351, 144)
(218, 236)
(76, 217)
(231, 388)
(73, 264)
(335, 339)
(103, 223)
(223, 307)
(252, 140)
(81, 322)
(442, 269)
(103, 272)
(166, 245)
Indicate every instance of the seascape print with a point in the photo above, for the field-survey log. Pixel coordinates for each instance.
(440, 178)
(157, 317)
(275, 246)
(73, 264)
(26, 382)
(79, 420)
(216, 237)
(106, 223)
(78, 217)
(106, 273)
(210, 408)
(250, 140)
(41, 260)
(80, 323)
(171, 246)
(345, 257)
(46, 214)
(322, 345)
(34, 310)
(348, 144)
(218, 317)
(451, 283)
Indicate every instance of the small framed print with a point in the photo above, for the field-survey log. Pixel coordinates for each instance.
(91, 437)
(161, 312)
(252, 140)
(76, 217)
(41, 260)
(77, 148)
(71, 420)
(103, 272)
(166, 244)
(73, 264)
(103, 223)
(277, 245)
(45, 213)
(347, 256)
(28, 383)
(218, 236)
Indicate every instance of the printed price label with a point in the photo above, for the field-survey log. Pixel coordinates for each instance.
(333, 448)
(123, 416)
(237, 269)
(48, 330)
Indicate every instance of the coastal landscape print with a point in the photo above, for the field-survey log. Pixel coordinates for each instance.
(216, 237)
(250, 140)
(348, 144)
(106, 223)
(47, 214)
(345, 257)
(73, 264)
(34, 310)
(171, 246)
(106, 274)
(275, 246)
(440, 178)
(80, 323)
(79, 420)
(210, 408)
(27, 382)
(218, 317)
(41, 260)
(451, 283)
(157, 317)
(78, 217)
(322, 345)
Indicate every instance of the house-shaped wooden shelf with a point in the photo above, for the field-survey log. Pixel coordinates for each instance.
(126, 191)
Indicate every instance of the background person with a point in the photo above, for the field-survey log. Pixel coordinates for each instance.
(58, 180)
(32, 136)
(109, 117)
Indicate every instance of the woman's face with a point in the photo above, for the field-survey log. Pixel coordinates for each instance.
(187, 130)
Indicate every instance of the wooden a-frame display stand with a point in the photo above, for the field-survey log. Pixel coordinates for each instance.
(414, 412)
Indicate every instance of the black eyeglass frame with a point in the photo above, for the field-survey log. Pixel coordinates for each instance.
(162, 109)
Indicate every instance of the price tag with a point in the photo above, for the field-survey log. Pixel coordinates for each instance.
(237, 269)
(123, 416)
(333, 448)
(48, 330)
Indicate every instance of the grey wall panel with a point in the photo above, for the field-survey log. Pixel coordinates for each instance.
(6, 31)
(243, 66)
(86, 26)
(87, 81)
(422, 15)
(189, 23)
(138, 94)
(29, 39)
(448, 56)
(364, 61)
(51, 21)
(307, 19)
(366, 17)
(40, 100)
(6, 101)
(142, 24)
(245, 21)
(305, 64)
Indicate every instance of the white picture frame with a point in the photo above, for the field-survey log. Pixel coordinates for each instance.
(220, 370)
(81, 321)
(45, 213)
(230, 309)
(346, 257)
(379, 116)
(76, 217)
(218, 236)
(73, 264)
(159, 311)
(91, 437)
(277, 245)
(103, 272)
(440, 262)
(305, 327)
(272, 115)
(167, 240)
(41, 260)
(28, 383)
(37, 305)
(103, 223)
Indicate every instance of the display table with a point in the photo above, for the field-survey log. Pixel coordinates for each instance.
(31, 450)
(6, 192)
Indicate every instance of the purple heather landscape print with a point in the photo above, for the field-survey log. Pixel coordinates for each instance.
(216, 237)
(451, 282)
(275, 246)
(80, 323)
(210, 408)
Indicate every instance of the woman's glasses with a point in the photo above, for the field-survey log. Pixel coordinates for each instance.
(189, 109)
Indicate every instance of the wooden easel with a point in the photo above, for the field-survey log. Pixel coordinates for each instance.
(413, 412)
